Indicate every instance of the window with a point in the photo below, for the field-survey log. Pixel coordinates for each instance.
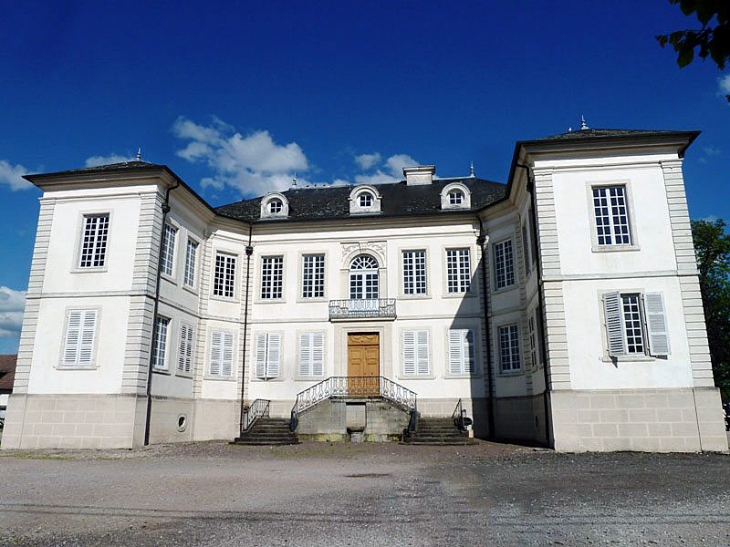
(159, 349)
(311, 354)
(504, 266)
(414, 272)
(224, 276)
(636, 324)
(509, 349)
(526, 249)
(416, 353)
(456, 197)
(313, 276)
(365, 200)
(275, 206)
(221, 354)
(93, 245)
(268, 355)
(461, 351)
(534, 339)
(168, 249)
(78, 349)
(458, 266)
(190, 257)
(364, 278)
(185, 356)
(272, 277)
(612, 215)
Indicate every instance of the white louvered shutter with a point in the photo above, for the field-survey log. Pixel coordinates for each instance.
(656, 321)
(185, 357)
(456, 355)
(88, 332)
(274, 355)
(216, 353)
(614, 324)
(73, 337)
(261, 355)
(227, 355)
(409, 352)
(80, 335)
(468, 352)
(305, 354)
(317, 354)
(422, 364)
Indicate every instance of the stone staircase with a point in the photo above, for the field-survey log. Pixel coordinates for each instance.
(268, 431)
(440, 431)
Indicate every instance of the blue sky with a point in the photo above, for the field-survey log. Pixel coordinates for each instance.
(240, 97)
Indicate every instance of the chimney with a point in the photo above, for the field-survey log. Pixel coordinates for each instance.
(423, 174)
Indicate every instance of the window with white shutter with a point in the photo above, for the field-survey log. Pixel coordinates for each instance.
(185, 355)
(656, 323)
(311, 354)
(636, 324)
(461, 351)
(416, 354)
(268, 355)
(221, 354)
(78, 349)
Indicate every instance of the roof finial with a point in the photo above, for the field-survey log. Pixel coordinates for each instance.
(294, 181)
(583, 124)
(471, 170)
(139, 154)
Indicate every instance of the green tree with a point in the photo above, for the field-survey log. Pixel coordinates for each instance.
(712, 40)
(712, 246)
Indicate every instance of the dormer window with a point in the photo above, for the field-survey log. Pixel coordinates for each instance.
(364, 200)
(455, 196)
(274, 206)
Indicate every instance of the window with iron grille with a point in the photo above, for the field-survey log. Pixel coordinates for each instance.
(504, 264)
(167, 260)
(611, 212)
(272, 277)
(224, 275)
(94, 240)
(313, 276)
(191, 254)
(509, 349)
(414, 272)
(458, 267)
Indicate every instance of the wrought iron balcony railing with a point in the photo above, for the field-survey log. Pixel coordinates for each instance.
(383, 308)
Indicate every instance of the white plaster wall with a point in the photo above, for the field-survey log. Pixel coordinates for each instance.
(590, 368)
(106, 376)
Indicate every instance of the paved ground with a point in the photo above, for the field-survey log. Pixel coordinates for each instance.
(214, 494)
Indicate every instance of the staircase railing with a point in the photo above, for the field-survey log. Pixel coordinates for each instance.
(353, 386)
(461, 420)
(258, 409)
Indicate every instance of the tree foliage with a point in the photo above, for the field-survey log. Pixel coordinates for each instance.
(712, 246)
(712, 40)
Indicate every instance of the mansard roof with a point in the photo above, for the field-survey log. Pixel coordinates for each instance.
(398, 199)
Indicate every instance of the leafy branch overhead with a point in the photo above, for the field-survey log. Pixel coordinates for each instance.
(712, 40)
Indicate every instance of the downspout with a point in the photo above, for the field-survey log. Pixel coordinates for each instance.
(481, 241)
(148, 417)
(249, 252)
(540, 298)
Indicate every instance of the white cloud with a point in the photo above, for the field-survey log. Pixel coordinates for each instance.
(12, 304)
(95, 161)
(724, 84)
(253, 164)
(712, 150)
(392, 170)
(12, 175)
(366, 161)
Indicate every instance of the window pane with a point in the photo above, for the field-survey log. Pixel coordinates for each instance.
(272, 277)
(93, 245)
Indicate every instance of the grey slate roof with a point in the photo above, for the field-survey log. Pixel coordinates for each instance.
(588, 134)
(398, 199)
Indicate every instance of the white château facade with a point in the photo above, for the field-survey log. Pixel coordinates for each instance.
(562, 308)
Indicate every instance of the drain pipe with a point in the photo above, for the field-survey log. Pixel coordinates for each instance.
(150, 366)
(482, 241)
(541, 299)
(249, 252)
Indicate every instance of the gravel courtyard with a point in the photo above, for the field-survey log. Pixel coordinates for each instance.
(215, 494)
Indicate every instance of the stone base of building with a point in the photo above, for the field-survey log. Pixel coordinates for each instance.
(655, 420)
(521, 419)
(113, 421)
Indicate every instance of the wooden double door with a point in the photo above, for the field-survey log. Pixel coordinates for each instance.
(363, 363)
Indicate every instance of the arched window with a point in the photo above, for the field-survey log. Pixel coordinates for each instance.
(456, 197)
(275, 206)
(364, 278)
(366, 200)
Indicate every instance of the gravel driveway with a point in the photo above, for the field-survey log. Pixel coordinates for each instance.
(215, 494)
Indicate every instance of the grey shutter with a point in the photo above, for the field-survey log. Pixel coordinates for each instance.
(614, 324)
(73, 336)
(656, 322)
